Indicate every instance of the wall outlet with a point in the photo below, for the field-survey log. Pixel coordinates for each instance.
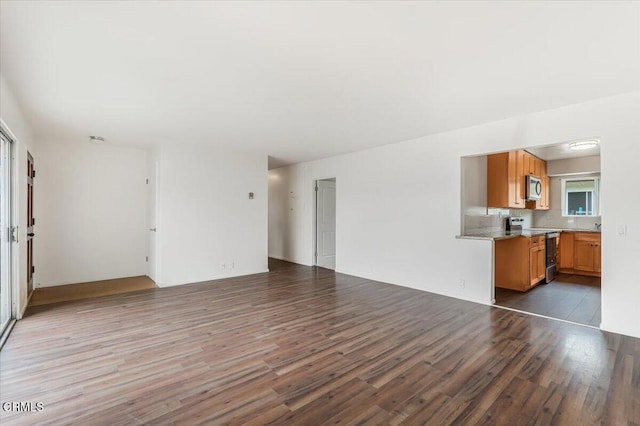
(461, 284)
(223, 266)
(233, 265)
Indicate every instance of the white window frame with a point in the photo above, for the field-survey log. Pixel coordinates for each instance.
(596, 196)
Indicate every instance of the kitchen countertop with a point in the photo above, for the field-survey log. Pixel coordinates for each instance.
(503, 235)
(500, 235)
(566, 230)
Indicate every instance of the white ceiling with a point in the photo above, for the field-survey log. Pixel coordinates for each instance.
(562, 152)
(306, 80)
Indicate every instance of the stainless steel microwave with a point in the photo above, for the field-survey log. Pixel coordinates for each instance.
(534, 188)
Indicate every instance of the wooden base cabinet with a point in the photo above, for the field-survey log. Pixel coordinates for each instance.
(520, 263)
(538, 261)
(580, 253)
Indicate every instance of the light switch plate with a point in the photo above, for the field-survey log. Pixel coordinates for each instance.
(622, 230)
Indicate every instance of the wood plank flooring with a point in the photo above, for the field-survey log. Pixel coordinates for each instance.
(65, 293)
(574, 298)
(307, 346)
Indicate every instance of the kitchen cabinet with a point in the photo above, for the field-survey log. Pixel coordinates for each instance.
(505, 180)
(545, 201)
(537, 261)
(565, 251)
(531, 168)
(540, 169)
(597, 258)
(520, 263)
(581, 253)
(506, 186)
(587, 252)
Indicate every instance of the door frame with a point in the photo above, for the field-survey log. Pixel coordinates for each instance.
(314, 232)
(152, 194)
(30, 217)
(13, 263)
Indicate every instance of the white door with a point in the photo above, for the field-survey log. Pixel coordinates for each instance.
(326, 224)
(152, 200)
(5, 233)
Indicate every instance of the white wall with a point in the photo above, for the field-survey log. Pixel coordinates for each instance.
(392, 225)
(398, 206)
(205, 217)
(90, 211)
(15, 122)
(474, 185)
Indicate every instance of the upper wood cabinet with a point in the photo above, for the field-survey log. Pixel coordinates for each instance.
(504, 176)
(506, 185)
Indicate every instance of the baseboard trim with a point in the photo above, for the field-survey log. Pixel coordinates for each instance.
(26, 305)
(89, 280)
(286, 259)
(217, 278)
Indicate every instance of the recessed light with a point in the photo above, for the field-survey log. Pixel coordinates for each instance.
(582, 145)
(96, 139)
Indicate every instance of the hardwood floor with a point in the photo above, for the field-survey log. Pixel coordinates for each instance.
(574, 298)
(307, 346)
(65, 293)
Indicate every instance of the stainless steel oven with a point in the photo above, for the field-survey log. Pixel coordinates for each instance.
(551, 241)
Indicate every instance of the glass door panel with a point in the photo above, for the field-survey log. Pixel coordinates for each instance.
(5, 232)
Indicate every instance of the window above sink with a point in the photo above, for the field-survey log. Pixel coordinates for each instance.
(580, 196)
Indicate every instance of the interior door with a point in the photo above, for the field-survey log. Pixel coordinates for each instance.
(152, 199)
(31, 174)
(326, 224)
(5, 232)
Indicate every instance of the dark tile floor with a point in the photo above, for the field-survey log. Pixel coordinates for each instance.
(573, 298)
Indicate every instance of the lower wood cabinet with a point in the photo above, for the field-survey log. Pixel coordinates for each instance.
(520, 263)
(580, 253)
(537, 261)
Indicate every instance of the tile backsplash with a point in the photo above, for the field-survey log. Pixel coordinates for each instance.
(492, 220)
(553, 218)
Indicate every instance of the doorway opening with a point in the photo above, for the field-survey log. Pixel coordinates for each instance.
(325, 223)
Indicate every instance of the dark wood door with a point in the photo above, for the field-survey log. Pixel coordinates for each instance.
(30, 223)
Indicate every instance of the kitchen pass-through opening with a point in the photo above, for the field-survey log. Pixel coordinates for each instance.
(547, 251)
